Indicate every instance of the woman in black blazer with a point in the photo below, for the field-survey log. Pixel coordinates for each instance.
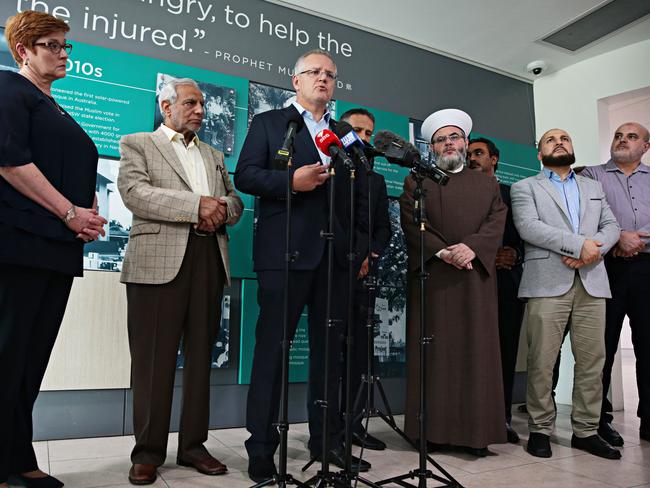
(48, 170)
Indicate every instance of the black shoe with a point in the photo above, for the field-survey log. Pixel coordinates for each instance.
(261, 468)
(596, 446)
(45, 482)
(609, 434)
(337, 458)
(477, 451)
(539, 445)
(513, 437)
(364, 439)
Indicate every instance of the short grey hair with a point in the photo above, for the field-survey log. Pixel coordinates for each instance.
(298, 67)
(169, 93)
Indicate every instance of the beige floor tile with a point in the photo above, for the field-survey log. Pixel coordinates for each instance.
(530, 476)
(98, 447)
(637, 455)
(614, 472)
(90, 473)
(230, 437)
(42, 455)
(472, 464)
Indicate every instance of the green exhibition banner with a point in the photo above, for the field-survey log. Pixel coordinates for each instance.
(299, 353)
(240, 241)
(112, 93)
(516, 161)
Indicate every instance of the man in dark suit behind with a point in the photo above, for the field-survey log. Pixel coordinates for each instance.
(363, 123)
(483, 155)
(314, 80)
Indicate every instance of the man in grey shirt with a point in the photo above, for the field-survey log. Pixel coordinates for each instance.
(626, 182)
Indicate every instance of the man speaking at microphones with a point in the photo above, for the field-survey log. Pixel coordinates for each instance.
(257, 173)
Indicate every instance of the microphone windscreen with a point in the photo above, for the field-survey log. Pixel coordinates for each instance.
(342, 128)
(296, 118)
(384, 139)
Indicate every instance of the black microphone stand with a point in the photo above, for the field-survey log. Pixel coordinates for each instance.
(324, 477)
(282, 478)
(347, 474)
(421, 472)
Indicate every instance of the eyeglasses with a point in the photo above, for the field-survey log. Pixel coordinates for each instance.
(55, 47)
(315, 73)
(452, 138)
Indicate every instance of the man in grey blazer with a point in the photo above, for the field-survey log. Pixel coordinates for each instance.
(567, 226)
(175, 268)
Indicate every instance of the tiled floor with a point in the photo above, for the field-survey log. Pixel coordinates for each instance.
(104, 462)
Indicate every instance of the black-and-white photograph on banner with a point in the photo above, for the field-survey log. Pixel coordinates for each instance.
(390, 306)
(6, 59)
(221, 347)
(218, 128)
(416, 138)
(107, 252)
(262, 98)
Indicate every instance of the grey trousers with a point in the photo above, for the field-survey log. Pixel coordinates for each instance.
(546, 319)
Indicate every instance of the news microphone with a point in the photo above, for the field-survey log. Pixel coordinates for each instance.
(294, 125)
(398, 151)
(328, 143)
(352, 143)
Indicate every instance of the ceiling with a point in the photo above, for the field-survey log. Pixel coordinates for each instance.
(501, 35)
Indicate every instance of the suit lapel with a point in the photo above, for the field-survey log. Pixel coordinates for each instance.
(163, 145)
(548, 187)
(210, 167)
(302, 142)
(582, 189)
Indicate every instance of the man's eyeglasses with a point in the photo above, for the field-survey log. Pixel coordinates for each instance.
(315, 73)
(452, 138)
(55, 47)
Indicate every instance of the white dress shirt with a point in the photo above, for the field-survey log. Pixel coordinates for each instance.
(191, 160)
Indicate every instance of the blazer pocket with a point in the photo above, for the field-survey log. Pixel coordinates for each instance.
(536, 254)
(145, 228)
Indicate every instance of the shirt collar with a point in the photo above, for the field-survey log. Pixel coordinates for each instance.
(172, 135)
(553, 176)
(306, 113)
(611, 166)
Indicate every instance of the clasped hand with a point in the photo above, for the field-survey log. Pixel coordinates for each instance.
(458, 255)
(630, 244)
(87, 224)
(590, 253)
(213, 213)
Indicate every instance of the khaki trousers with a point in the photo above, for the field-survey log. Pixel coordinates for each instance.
(546, 319)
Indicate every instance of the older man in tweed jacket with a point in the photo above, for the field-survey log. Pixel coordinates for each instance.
(175, 268)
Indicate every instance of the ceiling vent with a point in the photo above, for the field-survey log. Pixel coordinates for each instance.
(599, 23)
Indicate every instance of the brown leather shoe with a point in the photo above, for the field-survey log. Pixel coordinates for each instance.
(208, 465)
(142, 474)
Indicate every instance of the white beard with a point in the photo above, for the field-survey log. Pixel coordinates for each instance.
(450, 163)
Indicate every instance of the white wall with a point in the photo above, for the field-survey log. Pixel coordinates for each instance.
(569, 98)
(585, 100)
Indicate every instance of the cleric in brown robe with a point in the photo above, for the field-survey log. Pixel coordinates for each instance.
(466, 219)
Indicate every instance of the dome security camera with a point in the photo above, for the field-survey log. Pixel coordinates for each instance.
(536, 67)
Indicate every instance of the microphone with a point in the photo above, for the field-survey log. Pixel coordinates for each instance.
(352, 143)
(294, 125)
(328, 143)
(402, 153)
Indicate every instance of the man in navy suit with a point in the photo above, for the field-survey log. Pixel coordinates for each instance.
(314, 80)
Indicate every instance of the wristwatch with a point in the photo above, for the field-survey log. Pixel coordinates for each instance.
(69, 215)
